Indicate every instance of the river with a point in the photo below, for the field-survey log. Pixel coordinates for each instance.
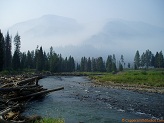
(82, 101)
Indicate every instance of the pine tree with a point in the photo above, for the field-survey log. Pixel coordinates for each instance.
(114, 68)
(46, 64)
(85, 64)
(114, 59)
(33, 64)
(153, 60)
(93, 65)
(160, 60)
(29, 60)
(156, 60)
(89, 64)
(40, 60)
(77, 67)
(16, 61)
(82, 64)
(137, 60)
(100, 64)
(66, 65)
(16, 57)
(128, 65)
(109, 63)
(61, 63)
(120, 66)
(1, 51)
(71, 64)
(148, 57)
(122, 60)
(122, 63)
(23, 59)
(143, 60)
(54, 61)
(8, 56)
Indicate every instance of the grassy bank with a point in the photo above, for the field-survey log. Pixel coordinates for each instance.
(151, 78)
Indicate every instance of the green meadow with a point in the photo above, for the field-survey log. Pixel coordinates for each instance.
(50, 120)
(153, 78)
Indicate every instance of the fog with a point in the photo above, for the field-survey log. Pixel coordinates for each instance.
(86, 28)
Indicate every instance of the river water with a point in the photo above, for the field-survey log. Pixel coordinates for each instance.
(82, 101)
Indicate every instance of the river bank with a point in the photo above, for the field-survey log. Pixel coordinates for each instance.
(84, 101)
(134, 81)
(143, 81)
(140, 88)
(137, 80)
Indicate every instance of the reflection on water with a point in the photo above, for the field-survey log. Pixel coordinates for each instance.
(81, 101)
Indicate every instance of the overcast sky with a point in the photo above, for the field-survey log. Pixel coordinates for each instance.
(150, 11)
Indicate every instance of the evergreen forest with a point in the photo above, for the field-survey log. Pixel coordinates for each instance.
(40, 60)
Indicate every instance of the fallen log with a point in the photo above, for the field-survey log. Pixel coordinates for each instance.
(15, 94)
(18, 88)
(8, 110)
(22, 82)
(35, 94)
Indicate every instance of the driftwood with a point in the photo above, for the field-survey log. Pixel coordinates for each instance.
(35, 94)
(22, 82)
(8, 109)
(17, 88)
(30, 119)
(14, 95)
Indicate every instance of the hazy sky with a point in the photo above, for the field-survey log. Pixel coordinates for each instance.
(150, 11)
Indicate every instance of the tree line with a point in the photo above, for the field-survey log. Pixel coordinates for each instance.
(148, 59)
(99, 65)
(36, 59)
(39, 60)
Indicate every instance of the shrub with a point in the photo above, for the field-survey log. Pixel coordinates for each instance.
(50, 120)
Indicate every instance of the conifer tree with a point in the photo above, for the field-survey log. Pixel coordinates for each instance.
(40, 60)
(53, 60)
(159, 60)
(148, 57)
(93, 66)
(29, 60)
(16, 57)
(114, 68)
(23, 59)
(120, 66)
(1, 51)
(100, 64)
(137, 60)
(109, 64)
(143, 60)
(82, 65)
(89, 65)
(8, 56)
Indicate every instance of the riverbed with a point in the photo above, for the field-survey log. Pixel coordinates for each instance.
(82, 101)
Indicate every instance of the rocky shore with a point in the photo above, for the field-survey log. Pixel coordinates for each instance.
(134, 87)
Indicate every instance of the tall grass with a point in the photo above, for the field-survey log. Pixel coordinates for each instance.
(50, 120)
(140, 77)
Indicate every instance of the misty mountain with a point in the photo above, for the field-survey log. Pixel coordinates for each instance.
(68, 37)
(47, 25)
(128, 34)
(119, 37)
(46, 31)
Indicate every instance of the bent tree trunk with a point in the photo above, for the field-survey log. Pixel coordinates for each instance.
(22, 82)
(35, 94)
